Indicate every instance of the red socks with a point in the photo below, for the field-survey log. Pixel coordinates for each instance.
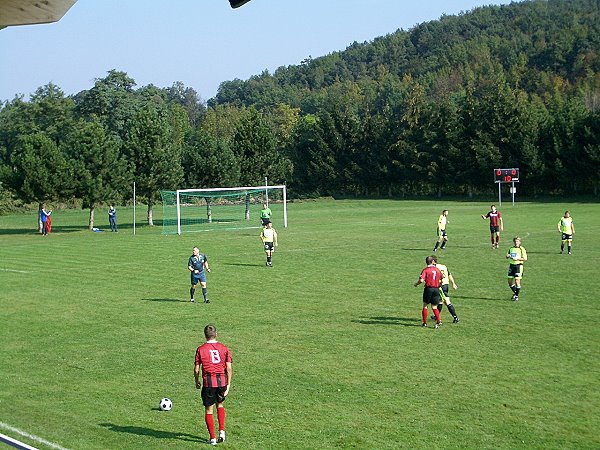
(424, 312)
(210, 424)
(437, 314)
(221, 418)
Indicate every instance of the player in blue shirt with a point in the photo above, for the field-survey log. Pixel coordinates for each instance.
(197, 264)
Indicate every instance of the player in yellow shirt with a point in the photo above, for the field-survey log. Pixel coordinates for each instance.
(441, 231)
(566, 227)
(517, 256)
(268, 236)
(447, 278)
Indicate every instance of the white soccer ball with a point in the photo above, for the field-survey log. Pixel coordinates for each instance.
(165, 404)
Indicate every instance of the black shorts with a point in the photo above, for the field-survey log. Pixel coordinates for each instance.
(431, 295)
(210, 396)
(269, 246)
(494, 229)
(515, 271)
(442, 233)
(445, 289)
(265, 221)
(567, 237)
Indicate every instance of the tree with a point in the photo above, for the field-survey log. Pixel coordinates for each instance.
(254, 146)
(155, 148)
(221, 121)
(40, 171)
(100, 172)
(313, 162)
(51, 112)
(189, 99)
(209, 162)
(112, 100)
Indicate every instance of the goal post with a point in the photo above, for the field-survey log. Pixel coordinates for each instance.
(194, 210)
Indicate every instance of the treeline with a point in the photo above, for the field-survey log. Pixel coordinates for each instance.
(427, 111)
(436, 108)
(91, 147)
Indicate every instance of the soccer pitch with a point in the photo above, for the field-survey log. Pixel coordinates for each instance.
(327, 346)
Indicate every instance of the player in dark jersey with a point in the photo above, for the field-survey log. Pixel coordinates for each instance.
(196, 265)
(432, 277)
(496, 225)
(214, 359)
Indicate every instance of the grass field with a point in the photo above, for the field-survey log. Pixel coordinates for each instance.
(327, 345)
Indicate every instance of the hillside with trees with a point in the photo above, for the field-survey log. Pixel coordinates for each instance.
(427, 111)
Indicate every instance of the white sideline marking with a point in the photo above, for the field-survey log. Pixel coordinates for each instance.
(20, 445)
(13, 270)
(14, 443)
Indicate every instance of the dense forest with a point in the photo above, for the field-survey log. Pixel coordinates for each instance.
(428, 111)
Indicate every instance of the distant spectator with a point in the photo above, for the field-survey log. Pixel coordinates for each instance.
(45, 217)
(112, 218)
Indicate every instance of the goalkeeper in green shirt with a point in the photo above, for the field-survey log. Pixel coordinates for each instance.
(265, 215)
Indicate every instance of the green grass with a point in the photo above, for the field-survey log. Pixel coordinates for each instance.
(328, 351)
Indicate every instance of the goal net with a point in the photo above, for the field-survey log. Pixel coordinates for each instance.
(196, 210)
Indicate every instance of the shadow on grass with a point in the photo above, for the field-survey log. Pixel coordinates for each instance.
(243, 264)
(58, 229)
(22, 231)
(479, 298)
(159, 434)
(385, 320)
(543, 253)
(165, 300)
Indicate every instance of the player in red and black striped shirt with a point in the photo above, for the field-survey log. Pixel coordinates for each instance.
(215, 360)
(432, 277)
(496, 225)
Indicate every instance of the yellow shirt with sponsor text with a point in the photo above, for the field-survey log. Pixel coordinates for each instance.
(566, 225)
(517, 252)
(445, 273)
(268, 235)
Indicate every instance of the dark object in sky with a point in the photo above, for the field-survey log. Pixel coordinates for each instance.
(237, 3)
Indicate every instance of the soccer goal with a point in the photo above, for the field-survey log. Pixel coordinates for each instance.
(196, 210)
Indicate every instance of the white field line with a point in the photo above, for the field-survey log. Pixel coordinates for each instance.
(13, 270)
(14, 443)
(20, 445)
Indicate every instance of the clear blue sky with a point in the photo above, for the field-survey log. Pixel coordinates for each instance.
(198, 42)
